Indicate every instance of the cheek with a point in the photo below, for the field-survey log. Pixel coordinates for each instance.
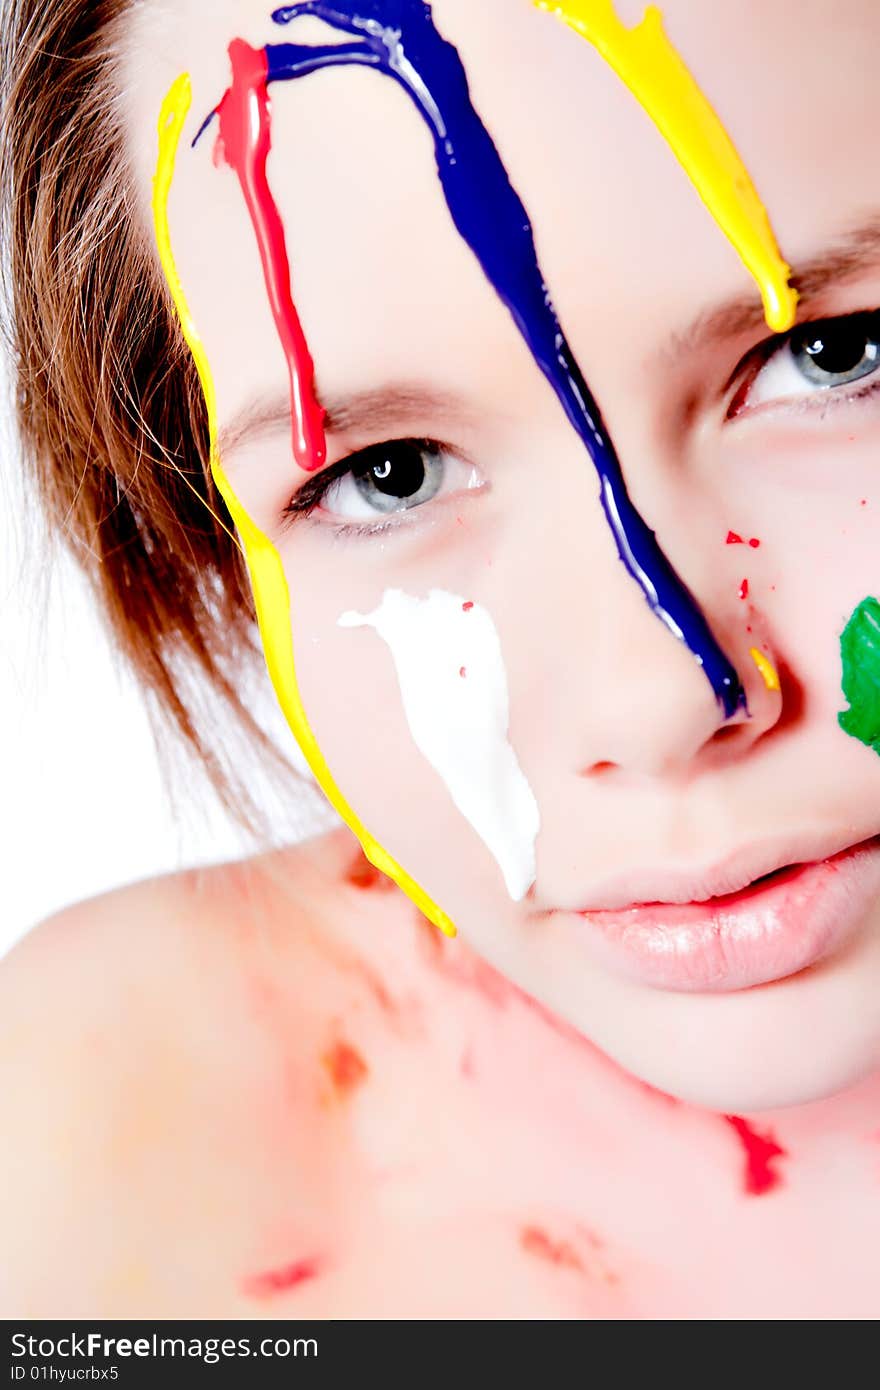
(409, 701)
(815, 507)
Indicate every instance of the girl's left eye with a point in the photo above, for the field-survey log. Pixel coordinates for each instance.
(814, 358)
(383, 480)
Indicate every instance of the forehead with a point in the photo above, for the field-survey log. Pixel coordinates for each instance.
(378, 270)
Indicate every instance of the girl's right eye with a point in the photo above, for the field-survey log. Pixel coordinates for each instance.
(383, 480)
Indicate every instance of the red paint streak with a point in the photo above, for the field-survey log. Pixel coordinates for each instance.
(245, 136)
(462, 671)
(744, 589)
(276, 1281)
(733, 538)
(466, 607)
(558, 1252)
(754, 542)
(346, 1066)
(761, 1150)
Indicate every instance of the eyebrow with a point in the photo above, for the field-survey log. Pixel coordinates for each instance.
(843, 259)
(395, 406)
(392, 407)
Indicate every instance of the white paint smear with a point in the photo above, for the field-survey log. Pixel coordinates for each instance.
(460, 721)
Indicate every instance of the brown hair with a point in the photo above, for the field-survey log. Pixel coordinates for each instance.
(109, 409)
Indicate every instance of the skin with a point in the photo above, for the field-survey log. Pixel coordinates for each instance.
(346, 1081)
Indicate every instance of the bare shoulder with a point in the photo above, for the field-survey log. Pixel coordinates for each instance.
(148, 1041)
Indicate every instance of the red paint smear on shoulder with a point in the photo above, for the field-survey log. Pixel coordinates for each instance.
(346, 1067)
(761, 1150)
(557, 1252)
(245, 141)
(277, 1281)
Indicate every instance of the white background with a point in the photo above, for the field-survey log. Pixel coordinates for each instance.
(83, 807)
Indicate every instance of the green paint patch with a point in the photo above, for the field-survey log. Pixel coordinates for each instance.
(860, 654)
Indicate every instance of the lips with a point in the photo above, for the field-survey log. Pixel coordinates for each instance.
(767, 928)
(721, 878)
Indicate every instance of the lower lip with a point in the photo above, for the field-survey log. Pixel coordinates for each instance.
(762, 933)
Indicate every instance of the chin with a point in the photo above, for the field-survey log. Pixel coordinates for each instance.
(729, 1089)
(792, 1044)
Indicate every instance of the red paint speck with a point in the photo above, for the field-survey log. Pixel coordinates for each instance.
(864, 502)
(761, 1150)
(748, 627)
(754, 542)
(466, 607)
(346, 1066)
(276, 1281)
(462, 671)
(733, 538)
(744, 589)
(558, 1252)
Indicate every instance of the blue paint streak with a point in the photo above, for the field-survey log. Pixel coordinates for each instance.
(399, 38)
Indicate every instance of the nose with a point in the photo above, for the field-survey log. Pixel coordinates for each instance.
(648, 708)
(654, 713)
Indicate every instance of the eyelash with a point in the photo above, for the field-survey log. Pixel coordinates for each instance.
(745, 373)
(309, 497)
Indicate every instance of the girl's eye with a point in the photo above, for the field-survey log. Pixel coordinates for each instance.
(384, 479)
(813, 358)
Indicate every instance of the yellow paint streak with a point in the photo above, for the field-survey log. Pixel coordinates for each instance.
(271, 593)
(767, 669)
(647, 63)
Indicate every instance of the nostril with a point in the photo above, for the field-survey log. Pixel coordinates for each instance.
(726, 733)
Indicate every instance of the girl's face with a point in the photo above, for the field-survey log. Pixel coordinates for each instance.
(643, 791)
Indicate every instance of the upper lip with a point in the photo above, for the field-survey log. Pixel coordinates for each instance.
(729, 874)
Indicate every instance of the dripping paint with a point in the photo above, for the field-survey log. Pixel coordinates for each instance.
(649, 66)
(271, 594)
(245, 141)
(461, 726)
